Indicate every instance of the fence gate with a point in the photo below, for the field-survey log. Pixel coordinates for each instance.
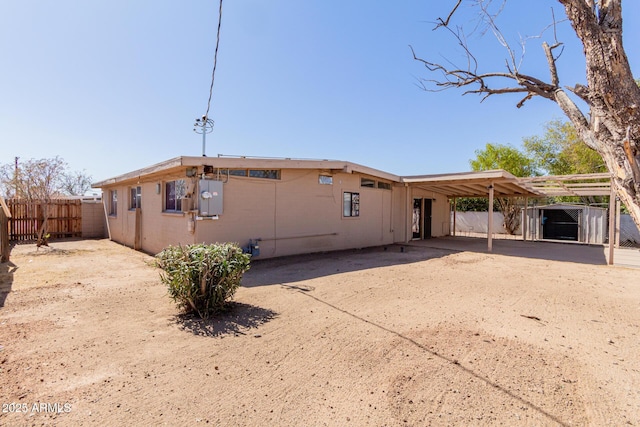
(64, 218)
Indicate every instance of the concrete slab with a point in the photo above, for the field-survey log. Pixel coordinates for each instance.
(567, 252)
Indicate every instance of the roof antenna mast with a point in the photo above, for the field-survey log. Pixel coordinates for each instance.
(204, 125)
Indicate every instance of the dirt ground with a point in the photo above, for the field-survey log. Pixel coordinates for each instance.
(422, 337)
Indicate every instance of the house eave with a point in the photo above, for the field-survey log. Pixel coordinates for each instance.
(241, 162)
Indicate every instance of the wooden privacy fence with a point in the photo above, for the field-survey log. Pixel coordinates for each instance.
(5, 216)
(64, 218)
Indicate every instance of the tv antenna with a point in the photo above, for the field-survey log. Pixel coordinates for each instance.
(204, 126)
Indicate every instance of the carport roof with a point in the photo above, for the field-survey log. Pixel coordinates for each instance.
(472, 184)
(476, 184)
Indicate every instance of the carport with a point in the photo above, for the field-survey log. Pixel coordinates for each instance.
(500, 183)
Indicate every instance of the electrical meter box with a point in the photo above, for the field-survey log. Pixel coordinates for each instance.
(210, 198)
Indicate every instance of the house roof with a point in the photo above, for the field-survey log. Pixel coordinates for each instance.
(244, 162)
(464, 184)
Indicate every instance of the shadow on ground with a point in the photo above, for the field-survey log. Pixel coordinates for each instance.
(291, 269)
(296, 268)
(6, 280)
(552, 251)
(237, 319)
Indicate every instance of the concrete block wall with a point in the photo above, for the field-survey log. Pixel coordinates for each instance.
(93, 220)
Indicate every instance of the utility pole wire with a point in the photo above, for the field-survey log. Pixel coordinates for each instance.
(215, 60)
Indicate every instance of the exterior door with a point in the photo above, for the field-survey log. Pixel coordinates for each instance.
(416, 219)
(427, 219)
(421, 219)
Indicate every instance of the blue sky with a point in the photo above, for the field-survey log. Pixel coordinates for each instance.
(115, 85)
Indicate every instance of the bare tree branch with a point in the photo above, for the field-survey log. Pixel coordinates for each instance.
(548, 51)
(445, 23)
(612, 124)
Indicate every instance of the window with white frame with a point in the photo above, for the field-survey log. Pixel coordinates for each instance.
(174, 192)
(351, 204)
(136, 197)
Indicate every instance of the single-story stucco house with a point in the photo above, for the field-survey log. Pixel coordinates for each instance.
(278, 207)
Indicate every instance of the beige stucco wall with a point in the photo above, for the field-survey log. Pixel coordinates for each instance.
(93, 222)
(291, 215)
(158, 229)
(296, 214)
(117, 226)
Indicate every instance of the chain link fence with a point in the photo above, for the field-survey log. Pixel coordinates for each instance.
(629, 233)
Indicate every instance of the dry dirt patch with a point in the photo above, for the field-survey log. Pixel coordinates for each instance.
(374, 337)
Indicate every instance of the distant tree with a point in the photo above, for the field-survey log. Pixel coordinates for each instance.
(560, 151)
(498, 156)
(472, 204)
(507, 157)
(76, 183)
(43, 180)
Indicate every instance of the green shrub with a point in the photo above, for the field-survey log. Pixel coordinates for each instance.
(202, 278)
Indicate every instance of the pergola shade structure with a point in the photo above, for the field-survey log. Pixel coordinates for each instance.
(500, 183)
(585, 185)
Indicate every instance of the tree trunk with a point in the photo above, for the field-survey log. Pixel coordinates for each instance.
(612, 94)
(42, 239)
(510, 213)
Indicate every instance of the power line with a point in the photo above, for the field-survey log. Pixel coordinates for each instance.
(215, 60)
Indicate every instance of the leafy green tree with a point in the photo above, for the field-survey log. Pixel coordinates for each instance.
(472, 204)
(509, 158)
(560, 151)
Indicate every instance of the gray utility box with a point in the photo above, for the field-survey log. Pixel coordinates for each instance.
(210, 197)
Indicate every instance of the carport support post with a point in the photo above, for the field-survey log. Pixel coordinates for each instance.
(490, 225)
(453, 232)
(525, 219)
(612, 214)
(617, 238)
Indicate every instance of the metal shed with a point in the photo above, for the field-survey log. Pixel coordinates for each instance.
(567, 223)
